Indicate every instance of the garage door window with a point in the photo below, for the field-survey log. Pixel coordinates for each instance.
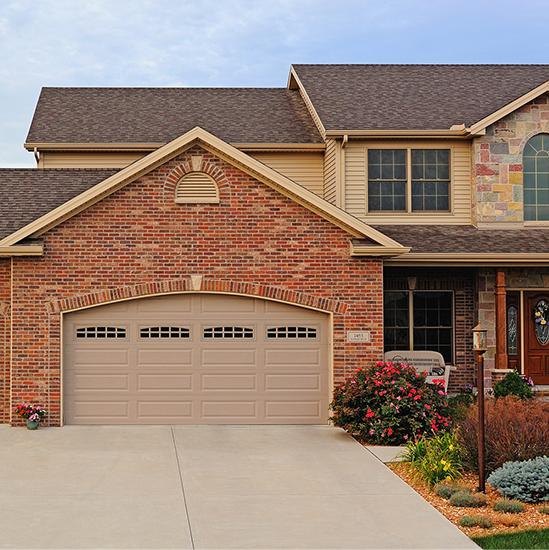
(292, 332)
(101, 332)
(228, 332)
(164, 332)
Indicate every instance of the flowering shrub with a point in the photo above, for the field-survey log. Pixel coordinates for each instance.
(390, 404)
(30, 412)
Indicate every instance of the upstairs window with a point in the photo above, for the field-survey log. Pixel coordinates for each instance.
(408, 180)
(535, 168)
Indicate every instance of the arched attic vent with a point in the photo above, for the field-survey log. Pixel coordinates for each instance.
(196, 187)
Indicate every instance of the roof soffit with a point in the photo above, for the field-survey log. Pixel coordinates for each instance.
(255, 168)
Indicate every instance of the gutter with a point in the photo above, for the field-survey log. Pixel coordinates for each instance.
(469, 260)
(21, 250)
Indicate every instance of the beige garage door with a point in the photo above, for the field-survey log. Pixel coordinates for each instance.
(196, 359)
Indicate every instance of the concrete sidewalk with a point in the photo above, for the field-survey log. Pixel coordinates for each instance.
(207, 487)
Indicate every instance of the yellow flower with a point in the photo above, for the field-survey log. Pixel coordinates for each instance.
(448, 478)
(538, 313)
(451, 447)
(442, 461)
(446, 467)
(543, 322)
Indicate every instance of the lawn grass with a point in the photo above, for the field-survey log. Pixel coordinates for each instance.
(532, 539)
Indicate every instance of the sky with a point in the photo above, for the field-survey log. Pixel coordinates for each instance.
(239, 43)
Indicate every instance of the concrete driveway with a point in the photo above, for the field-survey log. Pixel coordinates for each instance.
(206, 487)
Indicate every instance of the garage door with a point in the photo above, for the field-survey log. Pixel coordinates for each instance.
(196, 359)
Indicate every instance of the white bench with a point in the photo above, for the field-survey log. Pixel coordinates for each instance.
(430, 362)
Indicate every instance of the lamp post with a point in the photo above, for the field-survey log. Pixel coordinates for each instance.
(479, 347)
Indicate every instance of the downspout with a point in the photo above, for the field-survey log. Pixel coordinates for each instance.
(341, 197)
(37, 157)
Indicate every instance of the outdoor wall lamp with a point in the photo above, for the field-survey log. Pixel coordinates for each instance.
(479, 347)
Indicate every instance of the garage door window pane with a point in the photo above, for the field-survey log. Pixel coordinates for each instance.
(101, 332)
(291, 332)
(228, 332)
(164, 332)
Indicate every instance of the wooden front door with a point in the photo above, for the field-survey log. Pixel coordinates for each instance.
(536, 311)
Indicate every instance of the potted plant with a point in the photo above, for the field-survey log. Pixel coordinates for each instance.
(32, 414)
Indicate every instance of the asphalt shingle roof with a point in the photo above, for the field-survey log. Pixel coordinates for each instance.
(29, 193)
(414, 97)
(463, 239)
(159, 115)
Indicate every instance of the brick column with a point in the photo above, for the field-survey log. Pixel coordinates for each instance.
(501, 321)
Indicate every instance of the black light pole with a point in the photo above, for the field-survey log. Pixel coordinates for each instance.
(479, 347)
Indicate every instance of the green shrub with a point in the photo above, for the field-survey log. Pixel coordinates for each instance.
(544, 510)
(389, 404)
(513, 384)
(514, 430)
(527, 481)
(446, 489)
(476, 521)
(437, 459)
(466, 499)
(508, 506)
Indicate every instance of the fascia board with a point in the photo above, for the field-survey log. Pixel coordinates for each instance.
(248, 164)
(469, 260)
(93, 146)
(357, 134)
(21, 250)
(293, 76)
(313, 147)
(481, 125)
(365, 250)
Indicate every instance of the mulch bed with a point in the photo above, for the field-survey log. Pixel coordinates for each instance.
(503, 523)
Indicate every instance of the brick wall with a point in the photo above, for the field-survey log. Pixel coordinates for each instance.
(497, 161)
(138, 241)
(5, 278)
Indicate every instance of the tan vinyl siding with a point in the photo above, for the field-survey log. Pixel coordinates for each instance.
(303, 168)
(356, 181)
(81, 159)
(330, 171)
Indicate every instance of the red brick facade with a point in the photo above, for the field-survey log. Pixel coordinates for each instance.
(139, 242)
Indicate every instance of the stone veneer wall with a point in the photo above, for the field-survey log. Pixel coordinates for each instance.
(497, 162)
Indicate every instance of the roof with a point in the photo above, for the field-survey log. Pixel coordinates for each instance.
(29, 193)
(464, 239)
(413, 97)
(160, 115)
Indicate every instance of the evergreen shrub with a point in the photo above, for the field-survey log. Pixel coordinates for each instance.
(506, 506)
(466, 499)
(445, 489)
(513, 384)
(476, 521)
(527, 481)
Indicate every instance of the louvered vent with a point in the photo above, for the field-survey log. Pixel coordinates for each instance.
(196, 187)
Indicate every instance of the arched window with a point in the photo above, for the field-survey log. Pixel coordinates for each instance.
(535, 167)
(196, 187)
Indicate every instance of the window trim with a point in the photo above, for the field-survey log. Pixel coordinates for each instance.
(409, 211)
(411, 319)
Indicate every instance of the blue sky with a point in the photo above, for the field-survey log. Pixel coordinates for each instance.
(239, 43)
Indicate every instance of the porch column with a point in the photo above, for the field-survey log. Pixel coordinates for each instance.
(501, 320)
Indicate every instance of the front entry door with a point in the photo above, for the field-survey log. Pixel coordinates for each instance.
(536, 324)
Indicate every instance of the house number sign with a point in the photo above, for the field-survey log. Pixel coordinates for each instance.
(358, 336)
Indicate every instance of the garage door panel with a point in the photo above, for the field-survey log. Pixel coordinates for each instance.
(159, 357)
(99, 382)
(292, 409)
(229, 409)
(228, 382)
(297, 357)
(241, 371)
(292, 382)
(173, 304)
(229, 357)
(164, 382)
(101, 410)
(94, 356)
(165, 411)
